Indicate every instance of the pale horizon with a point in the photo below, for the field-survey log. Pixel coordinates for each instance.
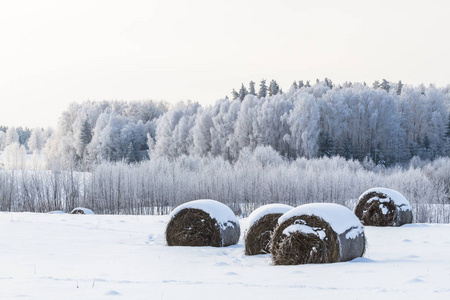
(56, 53)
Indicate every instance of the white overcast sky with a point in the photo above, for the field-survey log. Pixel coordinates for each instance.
(53, 53)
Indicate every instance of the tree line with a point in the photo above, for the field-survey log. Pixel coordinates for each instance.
(384, 124)
(258, 177)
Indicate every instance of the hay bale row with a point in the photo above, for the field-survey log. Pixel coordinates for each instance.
(317, 233)
(310, 233)
(383, 207)
(202, 223)
(261, 223)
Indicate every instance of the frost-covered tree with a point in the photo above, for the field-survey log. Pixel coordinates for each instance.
(274, 88)
(243, 134)
(325, 144)
(86, 133)
(202, 133)
(242, 92)
(262, 89)
(385, 85)
(294, 86)
(399, 87)
(173, 131)
(2, 140)
(251, 89)
(15, 156)
(234, 95)
(303, 121)
(37, 140)
(11, 136)
(132, 155)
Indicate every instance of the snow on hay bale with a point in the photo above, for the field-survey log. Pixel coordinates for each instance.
(202, 223)
(317, 233)
(82, 211)
(261, 223)
(383, 207)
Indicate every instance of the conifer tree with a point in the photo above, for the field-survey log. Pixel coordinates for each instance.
(385, 85)
(86, 133)
(262, 89)
(399, 88)
(235, 94)
(325, 144)
(242, 92)
(251, 89)
(274, 88)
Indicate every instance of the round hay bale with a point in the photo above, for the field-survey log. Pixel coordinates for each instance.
(261, 223)
(82, 211)
(317, 233)
(202, 223)
(383, 207)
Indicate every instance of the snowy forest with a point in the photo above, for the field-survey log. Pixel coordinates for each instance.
(312, 143)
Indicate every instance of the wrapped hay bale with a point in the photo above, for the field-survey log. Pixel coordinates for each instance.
(317, 233)
(383, 207)
(261, 223)
(202, 223)
(82, 211)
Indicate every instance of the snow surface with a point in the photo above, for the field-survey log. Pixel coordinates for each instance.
(219, 211)
(399, 200)
(339, 217)
(273, 208)
(95, 257)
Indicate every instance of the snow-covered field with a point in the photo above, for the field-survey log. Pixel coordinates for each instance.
(61, 256)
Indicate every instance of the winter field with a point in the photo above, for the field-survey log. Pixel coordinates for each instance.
(62, 256)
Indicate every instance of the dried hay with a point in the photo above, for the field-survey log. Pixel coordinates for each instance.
(304, 248)
(195, 227)
(259, 235)
(82, 211)
(373, 211)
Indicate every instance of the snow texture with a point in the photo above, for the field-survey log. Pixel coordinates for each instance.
(304, 229)
(398, 199)
(219, 211)
(273, 208)
(339, 217)
(96, 257)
